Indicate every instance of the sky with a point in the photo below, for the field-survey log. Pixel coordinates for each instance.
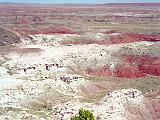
(77, 1)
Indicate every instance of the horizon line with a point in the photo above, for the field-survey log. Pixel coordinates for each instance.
(80, 3)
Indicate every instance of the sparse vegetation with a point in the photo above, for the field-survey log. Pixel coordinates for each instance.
(49, 99)
(146, 84)
(84, 115)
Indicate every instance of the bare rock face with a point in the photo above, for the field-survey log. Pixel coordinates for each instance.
(125, 104)
(8, 38)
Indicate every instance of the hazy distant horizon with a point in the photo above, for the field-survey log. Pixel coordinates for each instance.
(79, 1)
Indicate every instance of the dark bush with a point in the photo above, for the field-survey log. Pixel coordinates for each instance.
(84, 115)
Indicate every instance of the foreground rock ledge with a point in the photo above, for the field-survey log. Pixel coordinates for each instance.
(125, 104)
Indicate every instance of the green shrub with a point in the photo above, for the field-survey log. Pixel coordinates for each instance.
(84, 115)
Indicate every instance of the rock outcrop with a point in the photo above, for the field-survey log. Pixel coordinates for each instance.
(8, 37)
(125, 104)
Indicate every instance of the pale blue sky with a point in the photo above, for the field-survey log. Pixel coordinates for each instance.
(76, 1)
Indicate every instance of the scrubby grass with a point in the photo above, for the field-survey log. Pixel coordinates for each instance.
(128, 27)
(94, 98)
(49, 99)
(100, 78)
(13, 112)
(144, 84)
